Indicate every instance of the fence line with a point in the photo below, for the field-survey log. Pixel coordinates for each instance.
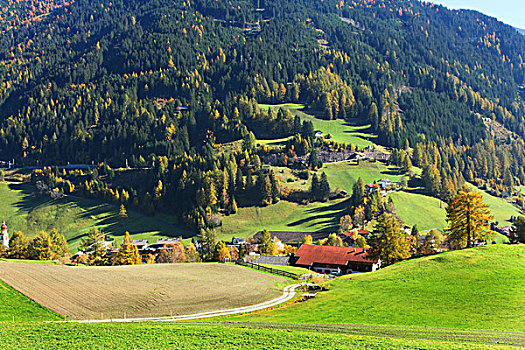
(268, 269)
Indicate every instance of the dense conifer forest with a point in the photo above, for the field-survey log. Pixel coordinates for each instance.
(159, 84)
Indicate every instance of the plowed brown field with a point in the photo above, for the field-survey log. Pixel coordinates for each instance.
(139, 291)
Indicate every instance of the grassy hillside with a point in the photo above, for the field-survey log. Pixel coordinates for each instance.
(340, 130)
(139, 291)
(413, 207)
(21, 307)
(345, 174)
(417, 209)
(283, 216)
(211, 336)
(480, 288)
(30, 213)
(500, 208)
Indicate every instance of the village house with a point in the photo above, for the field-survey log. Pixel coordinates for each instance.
(373, 187)
(377, 155)
(386, 184)
(350, 236)
(504, 230)
(329, 259)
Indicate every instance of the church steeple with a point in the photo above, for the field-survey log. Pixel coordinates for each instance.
(4, 236)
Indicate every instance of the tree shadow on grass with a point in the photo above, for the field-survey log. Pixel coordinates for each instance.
(326, 216)
(105, 214)
(90, 213)
(393, 172)
(416, 190)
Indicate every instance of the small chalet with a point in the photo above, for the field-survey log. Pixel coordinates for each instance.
(140, 243)
(161, 242)
(349, 237)
(328, 259)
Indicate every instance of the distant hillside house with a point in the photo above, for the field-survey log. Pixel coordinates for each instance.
(385, 184)
(328, 259)
(373, 187)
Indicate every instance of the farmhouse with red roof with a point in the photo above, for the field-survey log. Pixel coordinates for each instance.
(328, 259)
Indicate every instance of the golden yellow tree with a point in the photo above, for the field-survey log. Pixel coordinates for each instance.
(128, 253)
(225, 254)
(468, 219)
(308, 239)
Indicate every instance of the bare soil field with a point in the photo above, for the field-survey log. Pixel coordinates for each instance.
(139, 291)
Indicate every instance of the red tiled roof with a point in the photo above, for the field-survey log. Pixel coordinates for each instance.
(322, 254)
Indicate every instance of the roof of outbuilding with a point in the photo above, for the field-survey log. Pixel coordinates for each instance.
(309, 254)
(290, 237)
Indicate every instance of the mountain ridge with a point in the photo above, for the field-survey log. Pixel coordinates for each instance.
(158, 84)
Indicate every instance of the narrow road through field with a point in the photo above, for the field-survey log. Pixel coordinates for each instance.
(288, 293)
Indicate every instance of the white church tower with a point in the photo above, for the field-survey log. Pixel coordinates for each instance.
(4, 236)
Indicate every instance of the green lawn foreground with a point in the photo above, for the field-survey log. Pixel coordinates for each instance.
(21, 307)
(479, 288)
(202, 336)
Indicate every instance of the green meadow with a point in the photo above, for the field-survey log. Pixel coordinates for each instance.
(283, 216)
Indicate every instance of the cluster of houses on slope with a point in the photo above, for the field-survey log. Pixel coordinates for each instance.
(327, 156)
(144, 248)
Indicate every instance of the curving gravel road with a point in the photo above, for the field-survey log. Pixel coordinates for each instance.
(288, 293)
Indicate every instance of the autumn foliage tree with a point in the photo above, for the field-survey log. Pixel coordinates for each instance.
(172, 253)
(308, 239)
(47, 246)
(18, 245)
(389, 243)
(468, 219)
(128, 253)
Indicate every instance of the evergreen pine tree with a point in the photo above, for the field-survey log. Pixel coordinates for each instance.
(315, 188)
(324, 188)
(358, 194)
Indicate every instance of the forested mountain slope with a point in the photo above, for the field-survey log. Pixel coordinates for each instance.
(157, 82)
